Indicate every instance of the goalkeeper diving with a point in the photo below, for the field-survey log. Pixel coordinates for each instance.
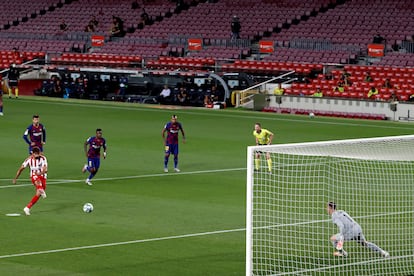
(349, 230)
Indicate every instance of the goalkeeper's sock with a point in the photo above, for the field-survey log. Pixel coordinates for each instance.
(373, 247)
(257, 164)
(269, 164)
(33, 201)
(16, 92)
(10, 92)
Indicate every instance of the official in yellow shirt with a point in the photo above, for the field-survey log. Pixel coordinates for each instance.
(372, 92)
(263, 137)
(279, 91)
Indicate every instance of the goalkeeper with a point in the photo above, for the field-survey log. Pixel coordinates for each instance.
(349, 230)
(263, 137)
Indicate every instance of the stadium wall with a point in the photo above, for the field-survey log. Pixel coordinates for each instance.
(392, 111)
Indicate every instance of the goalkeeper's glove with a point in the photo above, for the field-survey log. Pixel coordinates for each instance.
(340, 242)
(339, 245)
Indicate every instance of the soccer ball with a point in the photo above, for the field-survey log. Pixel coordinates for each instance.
(88, 207)
(311, 115)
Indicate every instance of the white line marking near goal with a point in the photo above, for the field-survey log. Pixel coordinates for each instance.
(52, 181)
(121, 243)
(320, 269)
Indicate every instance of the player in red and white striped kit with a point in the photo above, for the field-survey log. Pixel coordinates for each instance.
(38, 174)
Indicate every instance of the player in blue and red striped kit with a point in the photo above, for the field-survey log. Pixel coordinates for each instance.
(93, 154)
(172, 129)
(35, 134)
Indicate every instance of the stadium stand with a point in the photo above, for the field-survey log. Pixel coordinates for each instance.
(312, 38)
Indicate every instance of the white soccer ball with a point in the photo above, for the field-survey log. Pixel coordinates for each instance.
(311, 115)
(88, 207)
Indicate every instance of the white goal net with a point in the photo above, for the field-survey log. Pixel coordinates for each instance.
(288, 228)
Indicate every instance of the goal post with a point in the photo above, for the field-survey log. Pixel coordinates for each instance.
(288, 228)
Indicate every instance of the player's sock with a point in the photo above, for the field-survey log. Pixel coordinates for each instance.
(175, 162)
(166, 162)
(256, 164)
(33, 201)
(269, 164)
(91, 176)
(16, 92)
(374, 247)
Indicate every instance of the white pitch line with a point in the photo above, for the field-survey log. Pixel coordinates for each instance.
(120, 243)
(166, 238)
(64, 181)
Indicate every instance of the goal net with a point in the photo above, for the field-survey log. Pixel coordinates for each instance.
(288, 228)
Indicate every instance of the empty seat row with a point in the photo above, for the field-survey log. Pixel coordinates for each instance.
(97, 60)
(261, 67)
(353, 115)
(181, 63)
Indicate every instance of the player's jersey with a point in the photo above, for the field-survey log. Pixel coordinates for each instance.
(95, 145)
(35, 164)
(348, 227)
(172, 132)
(35, 134)
(263, 137)
(13, 74)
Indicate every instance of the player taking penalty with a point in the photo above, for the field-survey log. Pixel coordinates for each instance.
(263, 137)
(38, 169)
(349, 230)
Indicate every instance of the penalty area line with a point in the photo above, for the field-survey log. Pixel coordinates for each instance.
(121, 243)
(52, 181)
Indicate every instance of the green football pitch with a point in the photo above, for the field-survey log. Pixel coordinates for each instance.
(145, 222)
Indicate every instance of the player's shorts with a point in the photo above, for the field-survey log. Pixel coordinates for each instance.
(94, 162)
(35, 146)
(36, 179)
(13, 83)
(171, 149)
(354, 234)
(258, 151)
(359, 238)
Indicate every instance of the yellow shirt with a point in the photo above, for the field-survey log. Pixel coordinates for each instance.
(263, 138)
(278, 91)
(372, 93)
(318, 94)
